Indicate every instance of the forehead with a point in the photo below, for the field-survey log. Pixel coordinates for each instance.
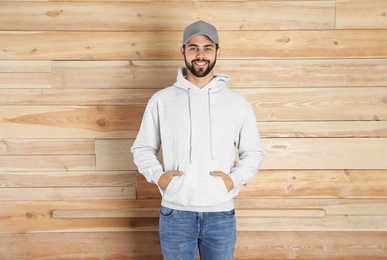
(200, 40)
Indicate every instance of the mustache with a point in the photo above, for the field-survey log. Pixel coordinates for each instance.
(200, 60)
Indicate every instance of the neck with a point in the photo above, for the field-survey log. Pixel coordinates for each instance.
(199, 81)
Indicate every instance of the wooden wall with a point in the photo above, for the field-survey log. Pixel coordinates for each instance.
(75, 77)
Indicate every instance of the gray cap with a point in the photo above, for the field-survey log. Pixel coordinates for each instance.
(200, 28)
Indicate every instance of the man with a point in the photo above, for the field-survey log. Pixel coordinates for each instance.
(210, 145)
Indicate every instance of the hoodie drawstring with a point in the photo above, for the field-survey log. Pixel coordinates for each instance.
(210, 121)
(190, 125)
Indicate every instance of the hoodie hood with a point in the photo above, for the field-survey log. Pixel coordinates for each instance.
(218, 81)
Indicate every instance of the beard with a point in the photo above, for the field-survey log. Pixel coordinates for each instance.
(199, 72)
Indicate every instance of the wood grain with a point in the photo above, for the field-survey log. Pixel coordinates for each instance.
(289, 153)
(244, 73)
(250, 245)
(68, 179)
(361, 14)
(159, 16)
(311, 184)
(66, 45)
(75, 77)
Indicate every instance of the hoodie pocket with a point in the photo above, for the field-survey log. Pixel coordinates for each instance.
(175, 185)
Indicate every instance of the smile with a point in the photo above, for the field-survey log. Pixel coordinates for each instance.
(200, 63)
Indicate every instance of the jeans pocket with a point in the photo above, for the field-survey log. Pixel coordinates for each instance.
(166, 212)
(229, 214)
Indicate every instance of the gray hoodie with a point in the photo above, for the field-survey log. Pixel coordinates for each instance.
(212, 128)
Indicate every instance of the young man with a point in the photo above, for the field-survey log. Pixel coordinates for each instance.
(210, 145)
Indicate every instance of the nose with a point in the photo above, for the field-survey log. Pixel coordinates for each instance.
(200, 55)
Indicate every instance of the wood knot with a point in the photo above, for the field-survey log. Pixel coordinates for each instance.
(54, 13)
(283, 39)
(102, 123)
(34, 216)
(279, 146)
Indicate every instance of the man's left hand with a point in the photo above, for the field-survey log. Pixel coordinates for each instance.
(226, 179)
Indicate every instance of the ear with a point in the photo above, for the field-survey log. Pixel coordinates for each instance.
(218, 51)
(182, 51)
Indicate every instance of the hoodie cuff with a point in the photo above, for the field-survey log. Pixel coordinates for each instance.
(157, 174)
(236, 178)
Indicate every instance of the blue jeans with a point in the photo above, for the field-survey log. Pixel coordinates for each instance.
(183, 233)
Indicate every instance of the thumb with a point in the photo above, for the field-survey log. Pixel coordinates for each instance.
(216, 173)
(178, 173)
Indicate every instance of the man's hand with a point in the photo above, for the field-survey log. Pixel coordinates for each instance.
(166, 178)
(226, 179)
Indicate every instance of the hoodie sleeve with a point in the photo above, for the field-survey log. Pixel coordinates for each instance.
(251, 152)
(147, 145)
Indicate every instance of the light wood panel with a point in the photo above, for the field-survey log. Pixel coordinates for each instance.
(44, 146)
(47, 163)
(289, 153)
(68, 193)
(361, 14)
(169, 16)
(287, 104)
(244, 73)
(56, 45)
(68, 179)
(25, 80)
(75, 77)
(250, 245)
(301, 184)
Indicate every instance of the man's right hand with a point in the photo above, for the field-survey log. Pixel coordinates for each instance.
(166, 178)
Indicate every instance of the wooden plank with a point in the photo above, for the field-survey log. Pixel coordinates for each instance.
(46, 146)
(47, 163)
(270, 104)
(325, 153)
(65, 45)
(286, 154)
(317, 184)
(249, 245)
(114, 74)
(68, 193)
(68, 179)
(244, 73)
(124, 122)
(26, 66)
(25, 80)
(329, 224)
(331, 206)
(75, 97)
(71, 214)
(70, 122)
(114, 154)
(158, 16)
(311, 245)
(300, 184)
(105, 245)
(361, 14)
(318, 104)
(347, 129)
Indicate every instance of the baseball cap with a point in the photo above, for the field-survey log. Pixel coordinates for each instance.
(200, 28)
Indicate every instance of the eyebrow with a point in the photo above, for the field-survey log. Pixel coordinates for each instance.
(197, 45)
